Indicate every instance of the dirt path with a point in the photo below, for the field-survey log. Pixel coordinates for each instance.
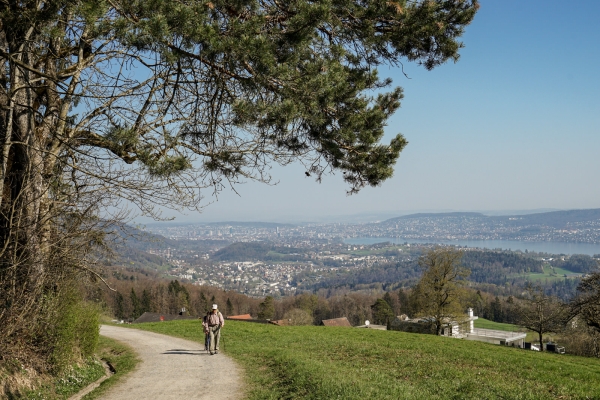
(173, 368)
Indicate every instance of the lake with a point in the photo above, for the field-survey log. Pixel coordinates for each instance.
(540, 247)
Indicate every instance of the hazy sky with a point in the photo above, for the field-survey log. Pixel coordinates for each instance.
(513, 125)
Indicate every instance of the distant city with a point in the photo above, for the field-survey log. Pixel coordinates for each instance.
(283, 258)
(560, 226)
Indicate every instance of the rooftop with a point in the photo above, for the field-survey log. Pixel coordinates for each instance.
(242, 316)
(337, 322)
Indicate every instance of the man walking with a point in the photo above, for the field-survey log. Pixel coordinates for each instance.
(205, 330)
(215, 322)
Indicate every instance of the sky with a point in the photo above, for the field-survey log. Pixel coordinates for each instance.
(514, 125)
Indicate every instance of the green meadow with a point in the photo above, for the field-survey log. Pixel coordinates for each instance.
(312, 362)
(550, 274)
(483, 323)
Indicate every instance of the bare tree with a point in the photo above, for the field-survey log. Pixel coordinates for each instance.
(296, 316)
(439, 294)
(541, 313)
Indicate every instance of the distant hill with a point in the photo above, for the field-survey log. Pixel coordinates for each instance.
(436, 215)
(555, 219)
(133, 247)
(139, 239)
(574, 226)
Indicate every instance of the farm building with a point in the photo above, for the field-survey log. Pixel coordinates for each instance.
(464, 329)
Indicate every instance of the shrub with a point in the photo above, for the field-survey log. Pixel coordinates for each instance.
(296, 316)
(74, 330)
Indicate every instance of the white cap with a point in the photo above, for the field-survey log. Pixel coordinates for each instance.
(214, 307)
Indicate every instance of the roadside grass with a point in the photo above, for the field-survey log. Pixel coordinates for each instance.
(120, 356)
(327, 362)
(71, 381)
(483, 323)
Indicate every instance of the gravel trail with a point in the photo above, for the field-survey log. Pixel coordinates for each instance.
(173, 368)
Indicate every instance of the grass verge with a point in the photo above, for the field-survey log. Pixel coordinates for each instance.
(120, 356)
(326, 363)
(68, 383)
(77, 377)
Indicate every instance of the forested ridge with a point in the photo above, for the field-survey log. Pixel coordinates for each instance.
(502, 272)
(258, 251)
(581, 263)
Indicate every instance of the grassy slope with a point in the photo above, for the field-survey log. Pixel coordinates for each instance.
(487, 324)
(550, 274)
(324, 363)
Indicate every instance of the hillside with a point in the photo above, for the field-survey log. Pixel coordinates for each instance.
(500, 272)
(437, 215)
(255, 251)
(326, 363)
(579, 226)
(556, 219)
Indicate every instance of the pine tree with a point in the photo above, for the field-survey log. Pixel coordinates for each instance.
(382, 312)
(496, 310)
(266, 308)
(404, 302)
(146, 302)
(393, 302)
(157, 102)
(203, 306)
(229, 309)
(388, 299)
(135, 304)
(119, 307)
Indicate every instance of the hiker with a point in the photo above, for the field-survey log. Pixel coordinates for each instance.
(205, 330)
(215, 322)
